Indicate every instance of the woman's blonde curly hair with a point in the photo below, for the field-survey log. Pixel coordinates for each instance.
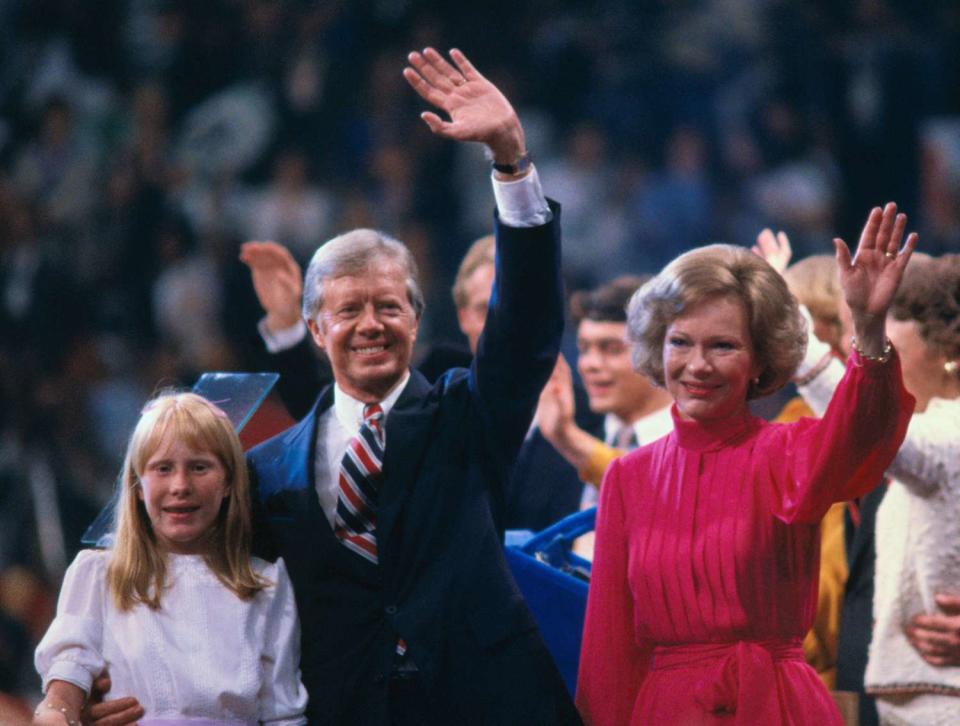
(778, 332)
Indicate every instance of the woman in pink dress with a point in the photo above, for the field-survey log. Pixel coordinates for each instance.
(705, 572)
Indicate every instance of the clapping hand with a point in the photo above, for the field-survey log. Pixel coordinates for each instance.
(774, 249)
(555, 411)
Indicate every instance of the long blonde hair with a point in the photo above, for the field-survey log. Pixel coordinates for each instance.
(137, 570)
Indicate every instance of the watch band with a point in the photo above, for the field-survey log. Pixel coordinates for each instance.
(522, 163)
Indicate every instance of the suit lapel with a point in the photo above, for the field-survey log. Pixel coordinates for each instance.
(408, 427)
(299, 456)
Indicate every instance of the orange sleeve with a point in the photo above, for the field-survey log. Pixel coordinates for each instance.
(600, 457)
(820, 644)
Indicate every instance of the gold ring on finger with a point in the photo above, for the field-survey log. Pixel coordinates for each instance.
(889, 254)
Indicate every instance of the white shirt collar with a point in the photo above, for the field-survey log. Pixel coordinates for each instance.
(646, 428)
(611, 427)
(349, 411)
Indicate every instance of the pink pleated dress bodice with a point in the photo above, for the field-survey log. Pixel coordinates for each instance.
(705, 572)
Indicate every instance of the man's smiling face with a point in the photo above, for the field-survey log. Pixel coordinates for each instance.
(607, 371)
(367, 328)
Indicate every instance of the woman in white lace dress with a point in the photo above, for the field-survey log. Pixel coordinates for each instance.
(918, 523)
(177, 612)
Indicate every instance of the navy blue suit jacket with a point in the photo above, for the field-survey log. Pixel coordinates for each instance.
(442, 583)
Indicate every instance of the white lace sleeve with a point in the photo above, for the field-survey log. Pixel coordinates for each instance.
(818, 392)
(283, 698)
(930, 455)
(72, 648)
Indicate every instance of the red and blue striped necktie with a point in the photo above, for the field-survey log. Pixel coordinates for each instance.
(360, 473)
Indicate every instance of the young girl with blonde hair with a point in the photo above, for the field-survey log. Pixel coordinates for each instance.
(178, 612)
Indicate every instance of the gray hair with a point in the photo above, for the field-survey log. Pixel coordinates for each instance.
(350, 254)
(778, 333)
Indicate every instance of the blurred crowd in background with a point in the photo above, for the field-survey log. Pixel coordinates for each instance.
(141, 141)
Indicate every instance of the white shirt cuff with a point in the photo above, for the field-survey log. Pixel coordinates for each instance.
(69, 672)
(521, 203)
(282, 340)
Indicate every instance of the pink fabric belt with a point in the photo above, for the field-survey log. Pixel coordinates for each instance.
(738, 678)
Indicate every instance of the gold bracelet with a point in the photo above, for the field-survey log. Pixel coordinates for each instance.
(884, 354)
(61, 709)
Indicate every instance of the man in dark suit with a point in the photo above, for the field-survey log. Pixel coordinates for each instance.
(408, 611)
(542, 486)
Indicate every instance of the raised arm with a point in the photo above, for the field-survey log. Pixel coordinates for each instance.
(477, 109)
(871, 277)
(521, 336)
(555, 417)
(278, 283)
(277, 280)
(846, 453)
(869, 281)
(774, 248)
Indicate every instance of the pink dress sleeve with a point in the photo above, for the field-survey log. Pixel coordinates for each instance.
(612, 664)
(844, 454)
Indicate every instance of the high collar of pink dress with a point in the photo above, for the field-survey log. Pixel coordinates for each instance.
(715, 434)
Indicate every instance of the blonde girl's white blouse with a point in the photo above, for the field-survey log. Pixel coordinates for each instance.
(205, 655)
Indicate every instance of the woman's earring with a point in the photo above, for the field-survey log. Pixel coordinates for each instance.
(951, 367)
